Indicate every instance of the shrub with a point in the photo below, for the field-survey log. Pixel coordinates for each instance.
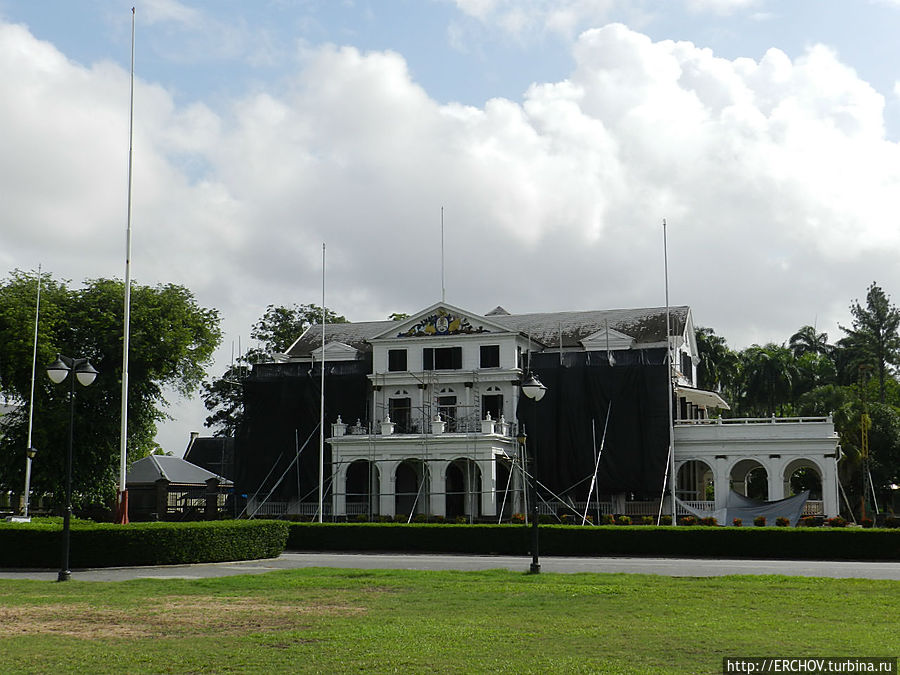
(401, 518)
(623, 520)
(807, 521)
(866, 522)
(781, 521)
(837, 521)
(709, 521)
(737, 522)
(420, 518)
(759, 521)
(362, 518)
(646, 520)
(607, 519)
(665, 520)
(519, 518)
(546, 519)
(109, 545)
(461, 520)
(687, 521)
(892, 522)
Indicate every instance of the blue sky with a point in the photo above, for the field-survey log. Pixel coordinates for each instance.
(556, 135)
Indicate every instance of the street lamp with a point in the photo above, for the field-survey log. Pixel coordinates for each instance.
(85, 374)
(534, 389)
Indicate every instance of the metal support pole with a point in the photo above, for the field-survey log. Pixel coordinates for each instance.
(64, 572)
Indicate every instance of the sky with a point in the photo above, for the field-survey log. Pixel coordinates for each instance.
(555, 137)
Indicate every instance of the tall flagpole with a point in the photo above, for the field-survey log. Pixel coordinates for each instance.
(669, 378)
(322, 399)
(122, 510)
(28, 451)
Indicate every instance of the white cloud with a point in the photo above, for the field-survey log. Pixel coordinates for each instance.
(720, 6)
(774, 175)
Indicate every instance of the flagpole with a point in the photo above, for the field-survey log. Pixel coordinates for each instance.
(322, 398)
(29, 452)
(669, 393)
(122, 507)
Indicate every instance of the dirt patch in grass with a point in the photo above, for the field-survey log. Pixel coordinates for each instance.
(167, 616)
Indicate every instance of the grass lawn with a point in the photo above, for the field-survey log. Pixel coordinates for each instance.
(323, 620)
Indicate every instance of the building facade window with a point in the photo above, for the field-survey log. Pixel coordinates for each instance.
(490, 356)
(397, 360)
(442, 358)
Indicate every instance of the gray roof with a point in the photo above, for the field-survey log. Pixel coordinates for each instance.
(354, 334)
(645, 325)
(174, 469)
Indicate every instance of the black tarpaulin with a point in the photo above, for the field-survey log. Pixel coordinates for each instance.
(561, 428)
(279, 412)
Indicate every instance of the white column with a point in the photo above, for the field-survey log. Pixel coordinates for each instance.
(387, 498)
(488, 469)
(437, 487)
(774, 471)
(721, 481)
(339, 490)
(830, 498)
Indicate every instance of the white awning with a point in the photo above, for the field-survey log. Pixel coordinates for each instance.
(702, 397)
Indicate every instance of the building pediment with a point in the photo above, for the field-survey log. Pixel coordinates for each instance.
(336, 351)
(608, 338)
(441, 319)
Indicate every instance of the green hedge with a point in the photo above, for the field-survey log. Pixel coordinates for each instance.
(714, 542)
(24, 545)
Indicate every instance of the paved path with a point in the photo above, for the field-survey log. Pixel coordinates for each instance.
(675, 567)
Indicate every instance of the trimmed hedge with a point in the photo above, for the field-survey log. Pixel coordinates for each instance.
(39, 545)
(707, 542)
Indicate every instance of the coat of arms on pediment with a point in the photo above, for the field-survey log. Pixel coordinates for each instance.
(442, 322)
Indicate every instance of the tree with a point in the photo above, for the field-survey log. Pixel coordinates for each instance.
(172, 339)
(766, 378)
(873, 338)
(280, 326)
(277, 329)
(809, 341)
(398, 316)
(717, 364)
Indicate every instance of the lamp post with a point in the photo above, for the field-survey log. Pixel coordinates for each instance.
(534, 389)
(29, 457)
(85, 374)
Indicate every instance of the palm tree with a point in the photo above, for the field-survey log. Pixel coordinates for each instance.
(767, 377)
(808, 341)
(717, 364)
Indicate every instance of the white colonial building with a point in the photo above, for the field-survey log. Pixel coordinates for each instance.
(423, 416)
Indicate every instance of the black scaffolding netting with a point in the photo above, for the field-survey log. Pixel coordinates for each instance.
(562, 426)
(281, 411)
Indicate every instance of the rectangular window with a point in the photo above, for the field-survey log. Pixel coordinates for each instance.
(687, 367)
(400, 410)
(490, 356)
(442, 358)
(397, 360)
(493, 404)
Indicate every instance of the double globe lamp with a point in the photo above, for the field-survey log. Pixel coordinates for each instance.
(85, 373)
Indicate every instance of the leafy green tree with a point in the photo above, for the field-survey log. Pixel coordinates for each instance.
(172, 339)
(277, 329)
(717, 365)
(398, 316)
(873, 338)
(809, 341)
(767, 376)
